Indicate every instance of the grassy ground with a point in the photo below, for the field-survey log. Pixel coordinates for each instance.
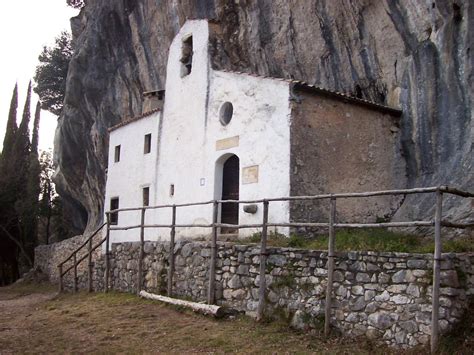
(34, 319)
(367, 240)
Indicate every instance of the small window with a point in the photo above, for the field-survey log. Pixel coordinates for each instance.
(187, 56)
(117, 154)
(172, 190)
(147, 145)
(225, 113)
(114, 205)
(146, 196)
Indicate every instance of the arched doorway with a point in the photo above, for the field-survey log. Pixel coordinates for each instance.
(230, 191)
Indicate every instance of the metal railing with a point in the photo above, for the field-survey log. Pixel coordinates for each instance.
(437, 222)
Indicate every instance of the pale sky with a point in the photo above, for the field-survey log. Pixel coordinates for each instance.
(25, 27)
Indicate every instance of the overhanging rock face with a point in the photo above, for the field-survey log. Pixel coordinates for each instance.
(401, 53)
(383, 296)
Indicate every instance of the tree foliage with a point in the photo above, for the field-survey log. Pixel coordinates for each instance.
(19, 190)
(9, 139)
(77, 4)
(21, 148)
(8, 244)
(30, 210)
(35, 138)
(53, 225)
(51, 73)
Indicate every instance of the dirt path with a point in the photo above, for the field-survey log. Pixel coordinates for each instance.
(35, 320)
(17, 304)
(9, 303)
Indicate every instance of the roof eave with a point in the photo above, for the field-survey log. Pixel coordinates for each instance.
(314, 89)
(133, 119)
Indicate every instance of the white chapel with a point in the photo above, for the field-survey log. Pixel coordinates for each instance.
(213, 134)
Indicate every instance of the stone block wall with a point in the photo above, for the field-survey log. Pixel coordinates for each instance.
(330, 138)
(384, 296)
(47, 258)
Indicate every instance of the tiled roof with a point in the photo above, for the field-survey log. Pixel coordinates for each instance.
(298, 84)
(133, 119)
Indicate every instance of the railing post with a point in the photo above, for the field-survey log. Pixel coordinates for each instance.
(331, 242)
(171, 255)
(436, 273)
(89, 265)
(140, 257)
(60, 272)
(107, 261)
(211, 298)
(75, 273)
(263, 264)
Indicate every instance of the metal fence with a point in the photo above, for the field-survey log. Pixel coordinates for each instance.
(437, 222)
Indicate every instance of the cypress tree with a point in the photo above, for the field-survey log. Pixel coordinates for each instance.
(9, 177)
(19, 190)
(18, 160)
(22, 188)
(15, 158)
(22, 141)
(9, 231)
(35, 139)
(10, 133)
(33, 188)
(21, 149)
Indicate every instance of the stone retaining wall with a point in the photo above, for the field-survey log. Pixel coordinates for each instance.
(385, 296)
(47, 258)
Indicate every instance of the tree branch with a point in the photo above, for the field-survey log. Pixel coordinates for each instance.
(7, 233)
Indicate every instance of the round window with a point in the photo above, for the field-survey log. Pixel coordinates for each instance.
(225, 113)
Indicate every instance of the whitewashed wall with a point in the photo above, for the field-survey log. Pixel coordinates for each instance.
(185, 154)
(135, 170)
(261, 120)
(181, 158)
(191, 128)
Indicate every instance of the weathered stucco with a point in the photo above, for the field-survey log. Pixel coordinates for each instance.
(192, 145)
(135, 170)
(337, 147)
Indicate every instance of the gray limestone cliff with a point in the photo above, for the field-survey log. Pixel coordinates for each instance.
(415, 55)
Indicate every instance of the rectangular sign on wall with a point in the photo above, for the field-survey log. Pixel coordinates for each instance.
(227, 143)
(250, 174)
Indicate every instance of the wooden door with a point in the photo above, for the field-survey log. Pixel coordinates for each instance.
(230, 191)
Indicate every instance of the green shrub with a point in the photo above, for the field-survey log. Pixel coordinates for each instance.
(296, 241)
